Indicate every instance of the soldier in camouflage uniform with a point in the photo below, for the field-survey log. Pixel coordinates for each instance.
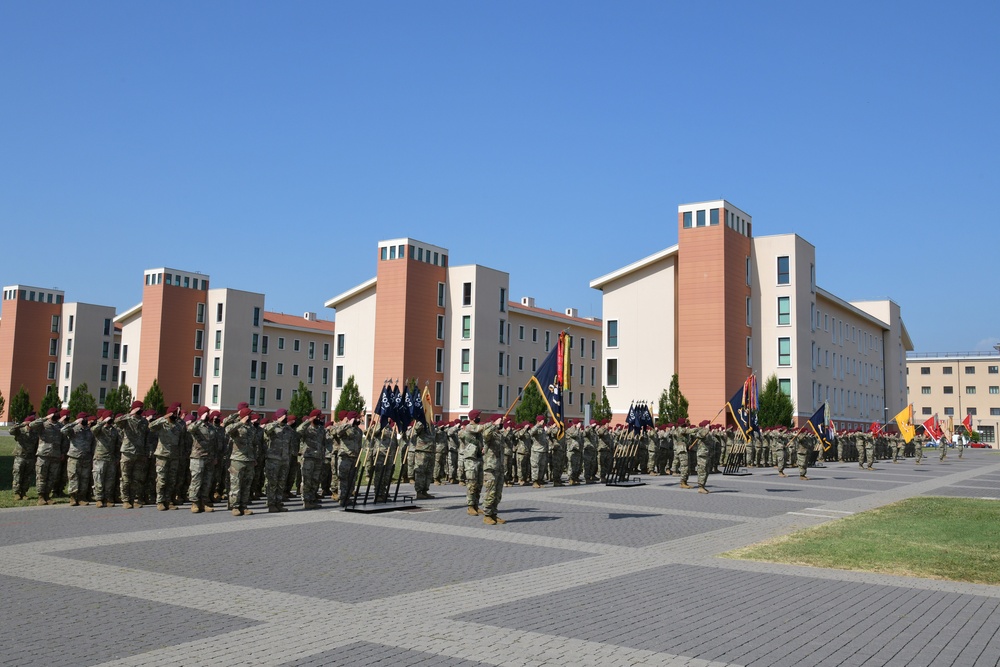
(866, 449)
(312, 456)
(202, 461)
(456, 472)
(779, 449)
(683, 442)
(806, 442)
(50, 451)
(472, 458)
(557, 453)
(134, 428)
(349, 441)
(168, 430)
(539, 452)
(424, 439)
(241, 461)
(574, 451)
(522, 453)
(440, 454)
(493, 466)
(943, 444)
(294, 469)
(107, 440)
(79, 458)
(509, 442)
(605, 444)
(590, 441)
(277, 442)
(703, 454)
(25, 453)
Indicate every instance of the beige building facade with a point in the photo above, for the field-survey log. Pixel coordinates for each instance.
(956, 385)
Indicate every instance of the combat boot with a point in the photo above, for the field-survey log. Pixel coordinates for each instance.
(18, 496)
(99, 503)
(172, 506)
(472, 511)
(491, 521)
(237, 511)
(424, 496)
(702, 489)
(803, 477)
(781, 474)
(42, 501)
(685, 485)
(161, 506)
(73, 502)
(247, 512)
(536, 485)
(196, 507)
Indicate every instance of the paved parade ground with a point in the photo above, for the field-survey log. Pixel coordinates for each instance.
(586, 575)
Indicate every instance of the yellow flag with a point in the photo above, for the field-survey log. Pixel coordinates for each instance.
(428, 404)
(904, 420)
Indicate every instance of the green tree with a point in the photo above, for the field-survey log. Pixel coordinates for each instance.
(302, 401)
(81, 400)
(600, 410)
(20, 405)
(51, 399)
(673, 406)
(774, 407)
(119, 400)
(531, 404)
(350, 398)
(154, 399)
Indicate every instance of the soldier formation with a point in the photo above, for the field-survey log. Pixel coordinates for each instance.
(201, 458)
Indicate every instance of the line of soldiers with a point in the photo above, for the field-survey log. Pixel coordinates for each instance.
(202, 458)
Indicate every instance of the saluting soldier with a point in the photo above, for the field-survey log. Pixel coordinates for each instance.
(25, 453)
(79, 458)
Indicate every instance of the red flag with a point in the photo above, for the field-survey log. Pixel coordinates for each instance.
(967, 423)
(875, 429)
(932, 428)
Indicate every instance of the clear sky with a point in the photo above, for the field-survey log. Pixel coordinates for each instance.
(272, 145)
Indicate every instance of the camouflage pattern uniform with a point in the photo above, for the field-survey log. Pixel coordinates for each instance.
(590, 441)
(312, 456)
(107, 441)
(683, 438)
(79, 461)
(557, 453)
(350, 442)
(25, 453)
(49, 454)
(604, 451)
(806, 444)
(455, 471)
(440, 455)
(168, 430)
(424, 439)
(918, 448)
(202, 463)
(472, 459)
(133, 462)
(241, 465)
(522, 454)
(539, 453)
(866, 449)
(493, 466)
(277, 443)
(779, 450)
(703, 454)
(574, 452)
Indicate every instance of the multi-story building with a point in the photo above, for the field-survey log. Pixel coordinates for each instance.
(454, 330)
(213, 346)
(722, 304)
(45, 341)
(956, 385)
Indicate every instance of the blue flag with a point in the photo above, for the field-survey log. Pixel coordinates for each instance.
(740, 415)
(383, 408)
(818, 423)
(549, 382)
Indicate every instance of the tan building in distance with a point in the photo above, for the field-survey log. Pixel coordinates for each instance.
(455, 330)
(956, 384)
(722, 304)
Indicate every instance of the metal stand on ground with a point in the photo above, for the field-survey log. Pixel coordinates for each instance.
(378, 499)
(736, 463)
(623, 462)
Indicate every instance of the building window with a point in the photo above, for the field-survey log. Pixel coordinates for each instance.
(216, 366)
(713, 217)
(970, 411)
(520, 332)
(197, 367)
(440, 327)
(686, 216)
(69, 346)
(949, 390)
(949, 412)
(785, 386)
(925, 370)
(611, 377)
(992, 370)
(199, 315)
(503, 299)
(749, 312)
(500, 396)
(946, 370)
(501, 363)
(326, 352)
(295, 370)
(71, 317)
(593, 349)
(925, 390)
(281, 368)
(994, 412)
(534, 335)
(340, 345)
(548, 340)
(464, 396)
(465, 360)
(749, 352)
(218, 312)
(263, 344)
(925, 411)
(700, 218)
(534, 364)
(277, 395)
(784, 310)
(199, 339)
(439, 360)
(466, 326)
(253, 395)
(438, 392)
(466, 294)
(970, 390)
(102, 395)
(260, 397)
(593, 379)
(441, 295)
(338, 377)
(55, 324)
(309, 374)
(52, 370)
(254, 343)
(281, 343)
(749, 270)
(994, 389)
(520, 363)
(970, 370)
(784, 351)
(107, 326)
(218, 340)
(326, 375)
(253, 370)
(502, 325)
(312, 350)
(295, 345)
(67, 370)
(53, 347)
(612, 333)
(783, 274)
(263, 370)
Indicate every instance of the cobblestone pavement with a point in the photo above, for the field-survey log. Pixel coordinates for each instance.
(586, 575)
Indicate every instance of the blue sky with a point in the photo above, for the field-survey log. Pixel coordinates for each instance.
(272, 145)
